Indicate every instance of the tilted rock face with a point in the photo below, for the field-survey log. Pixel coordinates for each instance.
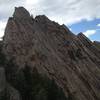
(43, 44)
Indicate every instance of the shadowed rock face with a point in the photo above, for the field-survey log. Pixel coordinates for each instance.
(72, 62)
(21, 13)
(2, 82)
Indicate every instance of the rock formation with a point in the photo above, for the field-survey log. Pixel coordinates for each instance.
(2, 82)
(46, 61)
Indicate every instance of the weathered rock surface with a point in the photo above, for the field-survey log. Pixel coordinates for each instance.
(21, 13)
(2, 82)
(7, 92)
(12, 93)
(73, 62)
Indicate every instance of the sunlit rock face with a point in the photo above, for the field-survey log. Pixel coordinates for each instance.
(51, 51)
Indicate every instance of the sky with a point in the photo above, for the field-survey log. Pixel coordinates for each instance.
(78, 15)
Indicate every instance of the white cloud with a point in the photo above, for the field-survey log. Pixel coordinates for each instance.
(2, 27)
(98, 25)
(62, 11)
(89, 32)
(65, 11)
(70, 29)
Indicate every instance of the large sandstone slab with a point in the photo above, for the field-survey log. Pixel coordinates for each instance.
(43, 44)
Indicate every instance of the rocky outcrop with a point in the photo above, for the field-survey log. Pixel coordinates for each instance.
(89, 45)
(21, 13)
(36, 47)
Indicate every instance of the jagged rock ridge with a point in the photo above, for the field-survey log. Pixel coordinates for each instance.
(39, 45)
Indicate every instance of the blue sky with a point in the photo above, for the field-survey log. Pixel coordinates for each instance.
(85, 25)
(79, 15)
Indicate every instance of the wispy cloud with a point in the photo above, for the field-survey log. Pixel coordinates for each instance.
(89, 32)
